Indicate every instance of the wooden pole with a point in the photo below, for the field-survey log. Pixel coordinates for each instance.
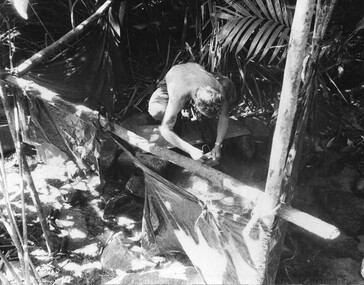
(288, 104)
(300, 218)
(265, 210)
(38, 205)
(50, 50)
(323, 15)
(13, 230)
(27, 175)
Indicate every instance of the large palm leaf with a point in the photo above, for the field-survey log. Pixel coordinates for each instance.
(257, 28)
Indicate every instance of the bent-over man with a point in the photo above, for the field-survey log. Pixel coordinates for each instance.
(210, 94)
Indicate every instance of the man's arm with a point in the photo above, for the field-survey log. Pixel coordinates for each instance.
(166, 130)
(223, 124)
(222, 127)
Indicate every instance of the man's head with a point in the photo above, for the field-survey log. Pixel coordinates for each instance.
(208, 101)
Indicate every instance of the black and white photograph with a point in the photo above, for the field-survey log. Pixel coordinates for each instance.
(181, 142)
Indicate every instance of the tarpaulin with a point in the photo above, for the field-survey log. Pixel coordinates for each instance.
(177, 220)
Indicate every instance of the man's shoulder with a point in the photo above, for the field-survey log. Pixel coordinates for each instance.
(185, 68)
(228, 85)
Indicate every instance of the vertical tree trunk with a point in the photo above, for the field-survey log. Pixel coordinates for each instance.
(283, 131)
(288, 101)
(324, 10)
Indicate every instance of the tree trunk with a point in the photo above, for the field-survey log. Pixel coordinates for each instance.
(283, 131)
(288, 101)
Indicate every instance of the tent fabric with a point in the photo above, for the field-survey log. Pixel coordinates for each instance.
(79, 140)
(176, 220)
(90, 70)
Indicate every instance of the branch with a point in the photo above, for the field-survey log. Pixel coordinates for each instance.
(306, 221)
(30, 63)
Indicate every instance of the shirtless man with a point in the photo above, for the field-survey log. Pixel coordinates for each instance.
(210, 95)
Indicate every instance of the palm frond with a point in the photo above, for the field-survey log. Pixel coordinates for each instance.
(270, 6)
(259, 27)
(278, 11)
(283, 38)
(247, 35)
(261, 37)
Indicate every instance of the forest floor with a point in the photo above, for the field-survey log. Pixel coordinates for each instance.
(95, 247)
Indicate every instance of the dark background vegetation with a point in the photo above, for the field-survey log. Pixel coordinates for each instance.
(157, 34)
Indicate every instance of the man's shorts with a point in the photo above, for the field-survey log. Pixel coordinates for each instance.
(158, 101)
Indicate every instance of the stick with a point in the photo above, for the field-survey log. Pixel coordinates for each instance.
(27, 175)
(13, 229)
(38, 205)
(40, 56)
(306, 221)
(11, 269)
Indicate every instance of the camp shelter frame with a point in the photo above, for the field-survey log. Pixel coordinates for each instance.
(249, 196)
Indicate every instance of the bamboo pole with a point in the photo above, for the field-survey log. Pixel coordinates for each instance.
(38, 205)
(19, 151)
(222, 180)
(24, 165)
(50, 50)
(13, 229)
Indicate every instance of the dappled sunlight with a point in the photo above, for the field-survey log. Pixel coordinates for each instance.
(77, 269)
(199, 252)
(41, 255)
(126, 222)
(76, 234)
(171, 273)
(250, 193)
(83, 109)
(68, 221)
(139, 264)
(175, 270)
(91, 250)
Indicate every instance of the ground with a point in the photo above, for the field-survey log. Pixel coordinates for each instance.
(98, 248)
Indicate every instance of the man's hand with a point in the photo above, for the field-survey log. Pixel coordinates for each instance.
(196, 154)
(216, 152)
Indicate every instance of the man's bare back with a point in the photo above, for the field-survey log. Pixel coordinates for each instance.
(184, 79)
(182, 83)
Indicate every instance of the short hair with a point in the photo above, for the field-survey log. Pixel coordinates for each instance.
(208, 101)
